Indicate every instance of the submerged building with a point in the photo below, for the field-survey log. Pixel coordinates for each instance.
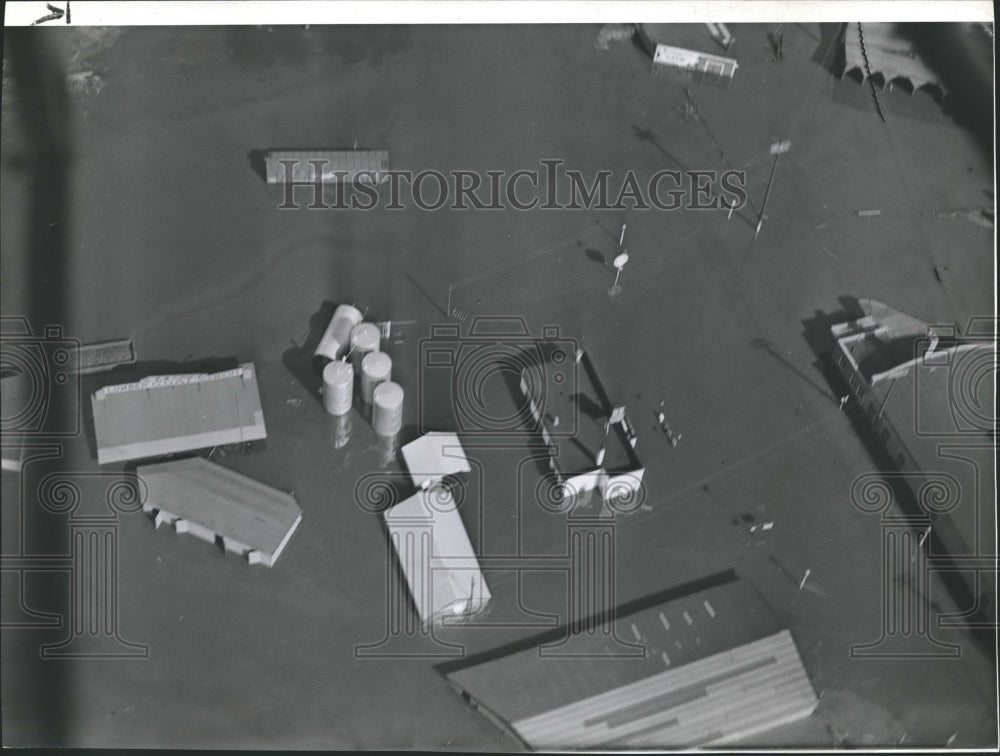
(166, 414)
(715, 666)
(929, 394)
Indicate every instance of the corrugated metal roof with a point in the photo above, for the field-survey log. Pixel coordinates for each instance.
(722, 698)
(167, 414)
(253, 519)
(700, 648)
(336, 166)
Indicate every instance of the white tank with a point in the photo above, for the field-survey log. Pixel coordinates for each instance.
(376, 368)
(338, 333)
(387, 408)
(338, 387)
(364, 340)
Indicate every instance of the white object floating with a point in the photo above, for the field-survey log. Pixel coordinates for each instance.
(364, 340)
(211, 502)
(338, 333)
(338, 387)
(376, 368)
(435, 555)
(433, 456)
(387, 408)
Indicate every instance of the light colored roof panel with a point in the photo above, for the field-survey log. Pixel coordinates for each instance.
(889, 54)
(723, 697)
(256, 517)
(434, 455)
(447, 580)
(676, 630)
(166, 414)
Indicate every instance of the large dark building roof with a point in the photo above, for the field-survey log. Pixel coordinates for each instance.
(717, 667)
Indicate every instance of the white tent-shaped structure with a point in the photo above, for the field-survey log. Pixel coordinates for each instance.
(889, 57)
(436, 556)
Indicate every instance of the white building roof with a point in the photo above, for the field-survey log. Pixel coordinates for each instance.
(436, 556)
(434, 455)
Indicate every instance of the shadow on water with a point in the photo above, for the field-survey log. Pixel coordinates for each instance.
(646, 135)
(830, 52)
(816, 331)
(594, 255)
(299, 359)
(258, 163)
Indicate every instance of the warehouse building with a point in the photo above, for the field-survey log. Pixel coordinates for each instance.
(929, 394)
(717, 668)
(166, 414)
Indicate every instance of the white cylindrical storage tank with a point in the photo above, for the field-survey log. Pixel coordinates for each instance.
(338, 387)
(387, 408)
(338, 333)
(376, 368)
(364, 340)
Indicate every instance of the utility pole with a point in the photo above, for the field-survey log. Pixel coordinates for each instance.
(777, 149)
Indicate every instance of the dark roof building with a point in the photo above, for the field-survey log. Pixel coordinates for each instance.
(591, 447)
(717, 667)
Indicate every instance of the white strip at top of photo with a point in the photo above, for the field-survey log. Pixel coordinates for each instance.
(51, 13)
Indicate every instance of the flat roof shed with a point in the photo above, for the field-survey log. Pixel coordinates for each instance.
(165, 414)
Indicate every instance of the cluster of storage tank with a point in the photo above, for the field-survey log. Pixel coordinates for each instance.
(351, 347)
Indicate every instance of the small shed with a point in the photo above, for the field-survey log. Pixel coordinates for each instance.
(335, 166)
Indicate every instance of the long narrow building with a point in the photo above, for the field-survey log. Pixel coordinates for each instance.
(166, 414)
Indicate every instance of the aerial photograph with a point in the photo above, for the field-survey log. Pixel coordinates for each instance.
(498, 376)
